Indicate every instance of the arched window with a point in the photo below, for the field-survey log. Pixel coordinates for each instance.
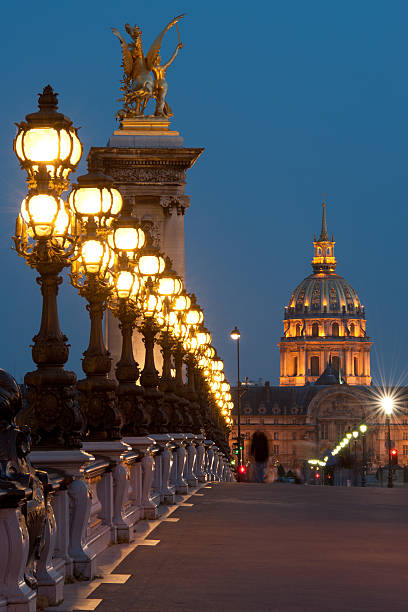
(298, 329)
(328, 252)
(294, 366)
(319, 251)
(352, 330)
(315, 329)
(356, 370)
(314, 366)
(335, 329)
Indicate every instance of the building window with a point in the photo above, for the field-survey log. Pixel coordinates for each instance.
(276, 449)
(336, 363)
(405, 435)
(356, 366)
(335, 329)
(298, 329)
(276, 435)
(293, 450)
(352, 332)
(315, 329)
(405, 450)
(294, 366)
(324, 431)
(314, 366)
(294, 435)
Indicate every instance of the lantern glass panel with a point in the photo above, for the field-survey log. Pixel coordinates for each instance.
(76, 149)
(116, 202)
(41, 144)
(92, 252)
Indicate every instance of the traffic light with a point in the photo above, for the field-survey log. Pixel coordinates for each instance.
(394, 456)
(235, 448)
(242, 469)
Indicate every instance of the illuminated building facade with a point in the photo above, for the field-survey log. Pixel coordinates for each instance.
(325, 385)
(324, 322)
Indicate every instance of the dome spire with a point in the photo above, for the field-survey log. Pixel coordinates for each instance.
(324, 236)
(324, 260)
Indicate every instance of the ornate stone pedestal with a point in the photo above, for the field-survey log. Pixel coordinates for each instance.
(149, 163)
(145, 444)
(71, 507)
(122, 529)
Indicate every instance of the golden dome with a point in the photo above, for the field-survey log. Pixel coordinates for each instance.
(322, 293)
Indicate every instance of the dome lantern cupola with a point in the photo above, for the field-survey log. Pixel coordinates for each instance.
(324, 260)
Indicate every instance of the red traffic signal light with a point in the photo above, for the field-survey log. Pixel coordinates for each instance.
(317, 475)
(394, 456)
(242, 469)
(394, 451)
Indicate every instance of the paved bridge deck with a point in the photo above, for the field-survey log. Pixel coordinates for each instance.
(263, 548)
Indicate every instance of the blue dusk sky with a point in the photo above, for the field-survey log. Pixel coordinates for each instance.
(290, 99)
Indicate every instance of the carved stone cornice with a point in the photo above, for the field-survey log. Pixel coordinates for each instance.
(143, 165)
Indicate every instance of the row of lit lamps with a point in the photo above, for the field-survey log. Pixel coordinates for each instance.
(101, 246)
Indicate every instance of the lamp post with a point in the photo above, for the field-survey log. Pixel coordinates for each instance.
(388, 406)
(235, 335)
(363, 430)
(95, 203)
(48, 148)
(126, 240)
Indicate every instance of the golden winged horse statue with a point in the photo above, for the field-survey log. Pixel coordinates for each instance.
(143, 76)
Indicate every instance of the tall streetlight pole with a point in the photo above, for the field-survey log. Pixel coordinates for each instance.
(388, 407)
(363, 429)
(235, 335)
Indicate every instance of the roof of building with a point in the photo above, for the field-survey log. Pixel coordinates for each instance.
(265, 400)
(324, 291)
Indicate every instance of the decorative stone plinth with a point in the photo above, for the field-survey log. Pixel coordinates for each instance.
(179, 454)
(145, 445)
(167, 492)
(190, 477)
(209, 446)
(200, 456)
(14, 546)
(116, 483)
(71, 506)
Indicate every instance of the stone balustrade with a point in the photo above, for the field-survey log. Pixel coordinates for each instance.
(94, 499)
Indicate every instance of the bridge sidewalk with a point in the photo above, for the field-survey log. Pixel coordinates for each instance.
(270, 548)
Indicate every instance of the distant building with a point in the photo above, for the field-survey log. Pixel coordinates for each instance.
(325, 382)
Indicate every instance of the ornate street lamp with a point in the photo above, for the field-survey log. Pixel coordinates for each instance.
(150, 305)
(48, 149)
(235, 335)
(93, 203)
(47, 145)
(363, 430)
(388, 407)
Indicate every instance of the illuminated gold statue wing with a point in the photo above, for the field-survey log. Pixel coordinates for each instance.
(127, 56)
(155, 48)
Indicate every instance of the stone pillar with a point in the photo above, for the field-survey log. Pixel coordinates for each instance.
(122, 530)
(200, 456)
(71, 508)
(145, 445)
(167, 493)
(192, 480)
(148, 162)
(180, 483)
